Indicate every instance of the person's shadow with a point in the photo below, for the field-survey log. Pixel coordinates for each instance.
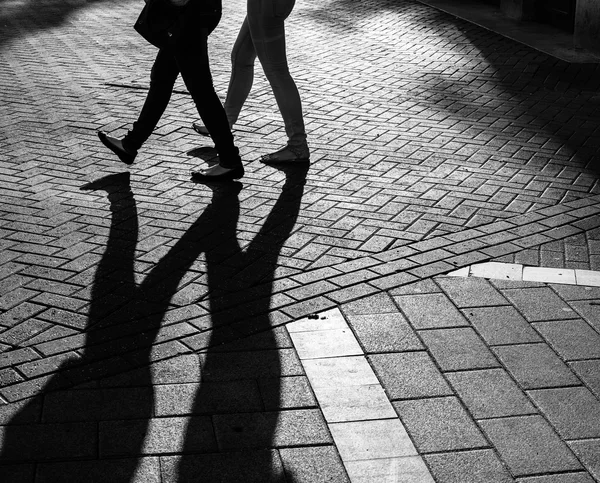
(126, 317)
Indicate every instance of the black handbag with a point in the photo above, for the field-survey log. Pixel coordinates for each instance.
(159, 22)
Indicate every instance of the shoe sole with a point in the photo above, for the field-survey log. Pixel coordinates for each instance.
(126, 158)
(237, 173)
(197, 128)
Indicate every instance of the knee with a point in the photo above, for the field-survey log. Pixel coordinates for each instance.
(242, 60)
(276, 70)
(162, 78)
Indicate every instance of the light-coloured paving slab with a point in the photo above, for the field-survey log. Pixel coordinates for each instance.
(519, 272)
(549, 275)
(372, 441)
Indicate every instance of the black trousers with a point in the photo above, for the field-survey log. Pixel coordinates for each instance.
(190, 59)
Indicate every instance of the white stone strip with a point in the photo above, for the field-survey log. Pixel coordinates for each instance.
(515, 271)
(371, 439)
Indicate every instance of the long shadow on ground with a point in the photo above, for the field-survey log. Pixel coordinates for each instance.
(93, 433)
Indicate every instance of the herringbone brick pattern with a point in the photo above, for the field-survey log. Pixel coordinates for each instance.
(435, 145)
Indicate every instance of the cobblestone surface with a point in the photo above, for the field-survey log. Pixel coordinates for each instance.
(435, 145)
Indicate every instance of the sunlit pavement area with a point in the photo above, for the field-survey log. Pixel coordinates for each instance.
(339, 323)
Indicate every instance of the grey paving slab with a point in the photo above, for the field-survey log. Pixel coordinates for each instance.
(286, 393)
(43, 442)
(588, 452)
(207, 398)
(409, 375)
(535, 366)
(439, 424)
(490, 393)
(134, 470)
(589, 373)
(570, 292)
(528, 445)
(24, 473)
(501, 325)
(590, 311)
(430, 311)
(470, 291)
(98, 404)
(271, 429)
(313, 464)
(578, 477)
(26, 411)
(254, 466)
(388, 332)
(573, 411)
(571, 339)
(421, 287)
(155, 436)
(540, 304)
(458, 349)
(475, 466)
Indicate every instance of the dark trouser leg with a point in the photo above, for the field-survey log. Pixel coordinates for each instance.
(162, 80)
(192, 59)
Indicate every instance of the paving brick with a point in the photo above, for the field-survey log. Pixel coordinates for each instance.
(571, 339)
(393, 281)
(478, 466)
(271, 429)
(539, 304)
(351, 293)
(501, 325)
(409, 375)
(528, 445)
(573, 411)
(535, 366)
(384, 333)
(490, 393)
(433, 269)
(458, 349)
(470, 292)
(439, 424)
(430, 311)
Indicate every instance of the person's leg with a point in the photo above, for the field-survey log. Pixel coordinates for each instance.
(162, 80)
(192, 59)
(266, 23)
(243, 56)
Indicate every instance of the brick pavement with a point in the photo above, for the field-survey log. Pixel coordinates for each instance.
(436, 145)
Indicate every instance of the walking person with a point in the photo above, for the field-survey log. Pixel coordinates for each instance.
(262, 35)
(185, 53)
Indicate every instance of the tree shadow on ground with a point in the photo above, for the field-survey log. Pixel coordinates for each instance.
(28, 16)
(540, 96)
(107, 429)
